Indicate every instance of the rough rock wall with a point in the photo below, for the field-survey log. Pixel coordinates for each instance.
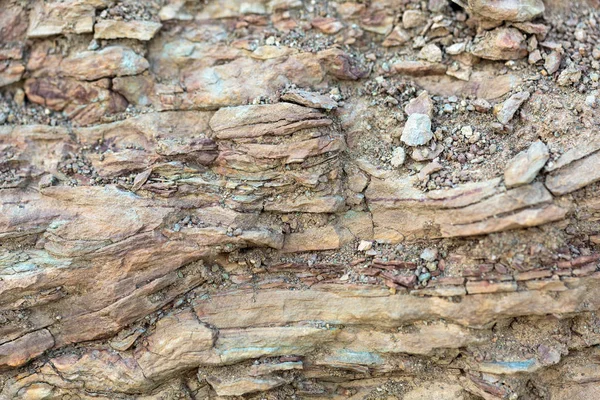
(286, 199)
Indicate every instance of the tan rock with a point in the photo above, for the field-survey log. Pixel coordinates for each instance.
(432, 53)
(245, 385)
(397, 37)
(521, 219)
(524, 167)
(350, 307)
(275, 119)
(501, 44)
(413, 19)
(178, 342)
(113, 29)
(481, 84)
(324, 238)
(109, 62)
(574, 175)
(418, 68)
(310, 99)
(55, 18)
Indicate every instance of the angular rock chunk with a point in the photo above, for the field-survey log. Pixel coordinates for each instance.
(524, 167)
(421, 104)
(552, 62)
(259, 120)
(19, 351)
(397, 37)
(310, 99)
(417, 130)
(112, 29)
(109, 62)
(55, 18)
(505, 10)
(501, 44)
(505, 111)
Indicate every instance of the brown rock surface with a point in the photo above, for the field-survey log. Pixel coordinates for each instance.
(286, 200)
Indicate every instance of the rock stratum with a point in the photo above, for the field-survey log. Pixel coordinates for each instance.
(283, 199)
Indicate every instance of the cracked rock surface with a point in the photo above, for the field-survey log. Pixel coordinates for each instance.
(283, 199)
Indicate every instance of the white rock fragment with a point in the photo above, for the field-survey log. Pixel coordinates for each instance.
(417, 130)
(398, 157)
(365, 245)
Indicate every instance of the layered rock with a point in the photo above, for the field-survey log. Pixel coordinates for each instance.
(257, 199)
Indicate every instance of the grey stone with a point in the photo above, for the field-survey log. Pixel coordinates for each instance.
(417, 130)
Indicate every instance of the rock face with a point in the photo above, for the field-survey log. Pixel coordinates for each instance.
(298, 200)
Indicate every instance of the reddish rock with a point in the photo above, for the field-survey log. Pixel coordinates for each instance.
(85, 103)
(329, 26)
(17, 352)
(501, 44)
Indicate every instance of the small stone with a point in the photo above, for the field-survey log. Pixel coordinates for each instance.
(570, 75)
(413, 19)
(524, 167)
(431, 53)
(424, 277)
(482, 105)
(398, 157)
(580, 35)
(429, 169)
(397, 37)
(365, 245)
(19, 97)
(456, 48)
(429, 254)
(534, 57)
(47, 181)
(506, 111)
(590, 101)
(466, 131)
(421, 104)
(417, 130)
(94, 45)
(552, 62)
